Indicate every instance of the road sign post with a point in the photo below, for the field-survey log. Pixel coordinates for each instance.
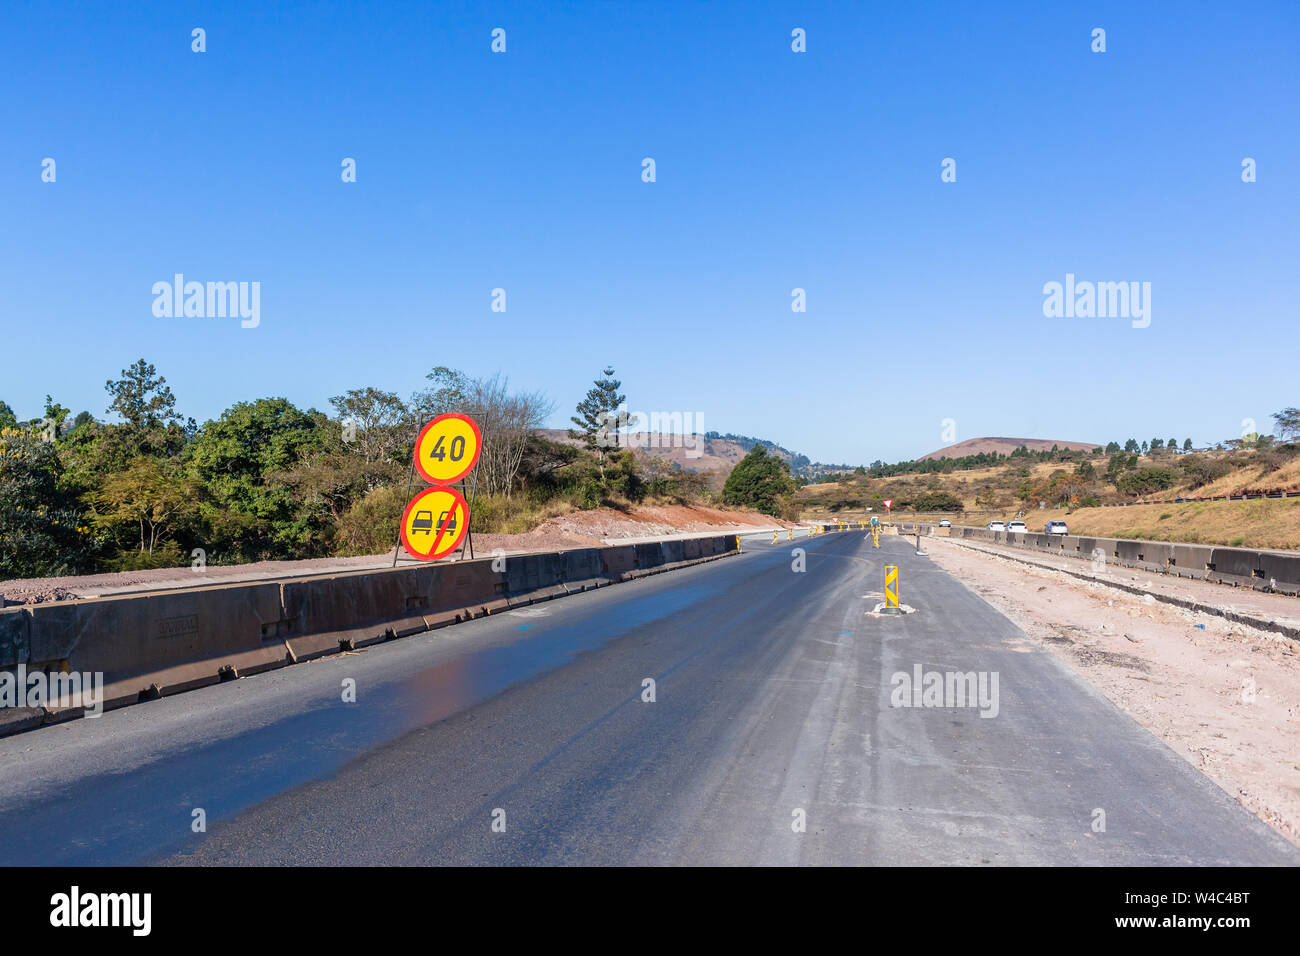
(436, 521)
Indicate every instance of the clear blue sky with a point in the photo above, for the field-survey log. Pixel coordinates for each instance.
(775, 170)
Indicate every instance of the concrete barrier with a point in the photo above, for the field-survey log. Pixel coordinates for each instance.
(619, 561)
(1242, 567)
(164, 641)
(582, 569)
(534, 577)
(323, 615)
(15, 636)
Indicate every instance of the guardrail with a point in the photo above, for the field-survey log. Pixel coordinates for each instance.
(165, 642)
(1262, 570)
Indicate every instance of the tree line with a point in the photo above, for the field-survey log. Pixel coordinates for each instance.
(267, 480)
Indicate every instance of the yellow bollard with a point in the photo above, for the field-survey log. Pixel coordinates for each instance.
(891, 586)
(792, 534)
(774, 537)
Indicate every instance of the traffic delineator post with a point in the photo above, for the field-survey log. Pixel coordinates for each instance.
(891, 587)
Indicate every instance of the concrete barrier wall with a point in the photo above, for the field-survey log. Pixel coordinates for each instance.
(1263, 570)
(164, 642)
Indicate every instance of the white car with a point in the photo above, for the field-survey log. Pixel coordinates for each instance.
(1017, 527)
(945, 523)
(997, 526)
(1056, 527)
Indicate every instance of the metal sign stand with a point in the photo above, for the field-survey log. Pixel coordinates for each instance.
(410, 478)
(469, 534)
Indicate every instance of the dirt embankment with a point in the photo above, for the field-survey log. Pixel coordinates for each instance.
(1224, 696)
(580, 529)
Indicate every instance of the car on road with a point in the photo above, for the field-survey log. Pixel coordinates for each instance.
(997, 526)
(1056, 527)
(945, 523)
(1017, 527)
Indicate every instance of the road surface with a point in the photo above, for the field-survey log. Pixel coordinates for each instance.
(773, 706)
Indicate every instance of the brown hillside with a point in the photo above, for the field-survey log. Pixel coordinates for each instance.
(1005, 446)
(709, 454)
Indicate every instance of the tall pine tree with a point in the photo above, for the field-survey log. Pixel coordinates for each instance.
(599, 418)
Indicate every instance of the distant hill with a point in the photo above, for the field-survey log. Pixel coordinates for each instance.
(1005, 446)
(710, 452)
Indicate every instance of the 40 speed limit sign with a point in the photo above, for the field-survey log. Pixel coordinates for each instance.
(448, 448)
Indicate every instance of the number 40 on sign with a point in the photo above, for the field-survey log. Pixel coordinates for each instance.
(448, 448)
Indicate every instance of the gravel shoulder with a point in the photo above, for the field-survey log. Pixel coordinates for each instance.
(1223, 695)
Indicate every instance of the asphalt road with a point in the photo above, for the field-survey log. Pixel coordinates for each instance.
(774, 693)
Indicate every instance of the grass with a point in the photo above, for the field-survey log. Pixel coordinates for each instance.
(1261, 523)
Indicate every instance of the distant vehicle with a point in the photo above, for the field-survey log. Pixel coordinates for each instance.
(1056, 527)
(1018, 527)
(997, 526)
(945, 523)
(423, 522)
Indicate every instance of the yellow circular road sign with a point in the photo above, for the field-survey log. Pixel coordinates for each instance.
(448, 448)
(434, 523)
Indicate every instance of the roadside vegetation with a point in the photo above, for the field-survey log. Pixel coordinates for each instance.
(267, 480)
(1079, 486)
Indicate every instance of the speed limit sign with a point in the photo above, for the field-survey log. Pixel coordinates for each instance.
(448, 448)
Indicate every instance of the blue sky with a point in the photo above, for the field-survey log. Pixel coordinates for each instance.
(775, 170)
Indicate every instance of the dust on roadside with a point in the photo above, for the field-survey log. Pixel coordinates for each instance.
(1223, 695)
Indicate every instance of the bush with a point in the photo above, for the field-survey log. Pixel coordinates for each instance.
(937, 501)
(1145, 480)
(1202, 471)
(370, 525)
(760, 481)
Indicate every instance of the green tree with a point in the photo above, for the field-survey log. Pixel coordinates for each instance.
(374, 424)
(142, 397)
(1131, 446)
(243, 460)
(1112, 448)
(1187, 445)
(150, 496)
(599, 417)
(449, 393)
(41, 532)
(759, 481)
(1288, 424)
